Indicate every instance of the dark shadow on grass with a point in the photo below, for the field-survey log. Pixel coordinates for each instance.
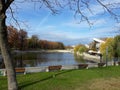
(44, 79)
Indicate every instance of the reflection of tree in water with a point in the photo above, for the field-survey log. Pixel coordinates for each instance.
(49, 58)
(29, 63)
(79, 59)
(28, 59)
(46, 59)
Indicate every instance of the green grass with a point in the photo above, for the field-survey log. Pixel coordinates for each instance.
(107, 78)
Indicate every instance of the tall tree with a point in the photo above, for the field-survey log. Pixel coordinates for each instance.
(116, 46)
(12, 37)
(12, 82)
(107, 45)
(22, 38)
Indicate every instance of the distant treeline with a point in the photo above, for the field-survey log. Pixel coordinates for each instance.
(18, 39)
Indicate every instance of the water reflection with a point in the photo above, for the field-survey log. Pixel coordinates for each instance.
(47, 59)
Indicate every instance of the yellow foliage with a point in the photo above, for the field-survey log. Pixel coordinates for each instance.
(108, 44)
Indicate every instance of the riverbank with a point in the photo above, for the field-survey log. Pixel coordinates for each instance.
(94, 58)
(86, 56)
(62, 51)
(106, 78)
(45, 51)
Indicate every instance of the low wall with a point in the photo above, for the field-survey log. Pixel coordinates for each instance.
(46, 69)
(67, 67)
(91, 57)
(41, 69)
(36, 69)
(2, 72)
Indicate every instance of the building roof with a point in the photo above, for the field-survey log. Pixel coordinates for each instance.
(98, 40)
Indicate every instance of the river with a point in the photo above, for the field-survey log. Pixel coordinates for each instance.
(53, 58)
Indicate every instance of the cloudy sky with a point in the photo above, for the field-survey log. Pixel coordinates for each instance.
(64, 27)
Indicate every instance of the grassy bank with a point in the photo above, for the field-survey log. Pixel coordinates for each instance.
(86, 79)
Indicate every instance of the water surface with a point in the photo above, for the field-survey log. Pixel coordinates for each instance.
(48, 59)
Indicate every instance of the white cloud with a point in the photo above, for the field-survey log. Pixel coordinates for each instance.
(76, 24)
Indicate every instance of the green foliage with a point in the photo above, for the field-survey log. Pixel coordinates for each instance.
(107, 46)
(116, 46)
(82, 49)
(113, 45)
(76, 49)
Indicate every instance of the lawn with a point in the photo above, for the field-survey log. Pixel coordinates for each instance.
(106, 78)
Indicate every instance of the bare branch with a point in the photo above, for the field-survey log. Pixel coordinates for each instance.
(83, 17)
(12, 13)
(116, 17)
(48, 4)
(87, 5)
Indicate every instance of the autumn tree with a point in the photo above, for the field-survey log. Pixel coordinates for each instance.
(22, 38)
(12, 37)
(33, 42)
(61, 45)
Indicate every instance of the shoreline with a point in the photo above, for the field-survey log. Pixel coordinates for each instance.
(45, 51)
(90, 57)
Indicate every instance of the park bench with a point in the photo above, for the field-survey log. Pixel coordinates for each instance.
(3, 72)
(55, 68)
(101, 64)
(119, 63)
(20, 70)
(81, 66)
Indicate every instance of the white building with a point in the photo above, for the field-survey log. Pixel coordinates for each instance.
(98, 42)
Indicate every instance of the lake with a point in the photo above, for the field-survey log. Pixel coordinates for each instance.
(48, 59)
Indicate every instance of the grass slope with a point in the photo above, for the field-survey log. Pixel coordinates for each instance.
(107, 78)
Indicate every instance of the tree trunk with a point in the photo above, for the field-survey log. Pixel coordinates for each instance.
(12, 82)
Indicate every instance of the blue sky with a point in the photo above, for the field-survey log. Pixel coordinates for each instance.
(64, 27)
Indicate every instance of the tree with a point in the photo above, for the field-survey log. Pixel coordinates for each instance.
(77, 47)
(22, 38)
(75, 5)
(83, 49)
(12, 37)
(12, 82)
(108, 44)
(116, 46)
